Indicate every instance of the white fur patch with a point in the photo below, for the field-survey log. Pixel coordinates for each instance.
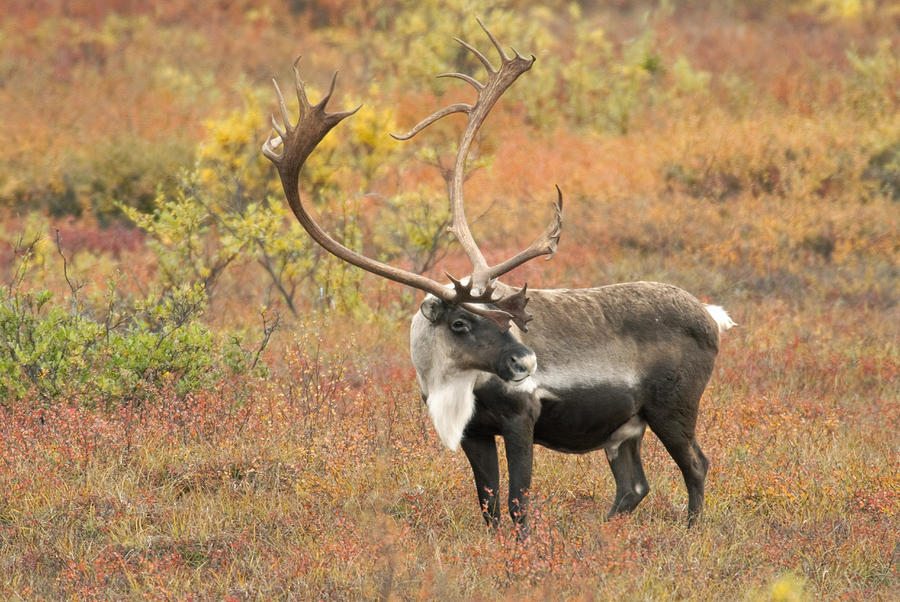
(633, 428)
(721, 317)
(579, 373)
(528, 385)
(451, 405)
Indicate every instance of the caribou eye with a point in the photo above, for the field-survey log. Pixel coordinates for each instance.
(460, 326)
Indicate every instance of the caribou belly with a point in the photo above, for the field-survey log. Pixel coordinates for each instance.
(583, 419)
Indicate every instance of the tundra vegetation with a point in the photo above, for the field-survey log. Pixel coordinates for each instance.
(197, 402)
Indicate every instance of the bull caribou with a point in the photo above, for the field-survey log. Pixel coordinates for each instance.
(582, 370)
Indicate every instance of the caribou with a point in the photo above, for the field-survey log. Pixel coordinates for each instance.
(580, 370)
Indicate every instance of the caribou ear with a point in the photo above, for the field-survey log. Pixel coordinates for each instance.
(433, 308)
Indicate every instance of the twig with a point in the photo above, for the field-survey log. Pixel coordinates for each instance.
(268, 329)
(73, 287)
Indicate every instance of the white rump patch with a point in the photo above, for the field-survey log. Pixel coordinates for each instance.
(451, 405)
(721, 317)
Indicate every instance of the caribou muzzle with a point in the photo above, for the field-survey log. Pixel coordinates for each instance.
(516, 364)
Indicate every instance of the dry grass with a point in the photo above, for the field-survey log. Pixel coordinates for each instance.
(341, 490)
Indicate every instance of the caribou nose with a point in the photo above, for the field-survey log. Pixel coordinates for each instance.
(521, 366)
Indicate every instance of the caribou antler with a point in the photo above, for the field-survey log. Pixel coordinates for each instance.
(498, 81)
(314, 123)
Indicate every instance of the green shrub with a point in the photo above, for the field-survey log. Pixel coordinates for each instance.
(883, 170)
(872, 89)
(58, 351)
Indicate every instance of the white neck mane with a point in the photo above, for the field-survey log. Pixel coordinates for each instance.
(451, 404)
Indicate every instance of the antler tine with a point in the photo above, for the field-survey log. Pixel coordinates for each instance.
(503, 56)
(546, 243)
(456, 108)
(554, 229)
(300, 86)
(484, 60)
(466, 78)
(277, 128)
(500, 317)
(514, 305)
(269, 146)
(327, 97)
(285, 116)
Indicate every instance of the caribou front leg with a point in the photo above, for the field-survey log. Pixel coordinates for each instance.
(481, 450)
(518, 435)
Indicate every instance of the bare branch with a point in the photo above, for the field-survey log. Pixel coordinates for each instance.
(74, 287)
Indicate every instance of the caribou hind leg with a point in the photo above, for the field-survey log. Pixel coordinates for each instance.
(693, 464)
(672, 416)
(676, 432)
(631, 484)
